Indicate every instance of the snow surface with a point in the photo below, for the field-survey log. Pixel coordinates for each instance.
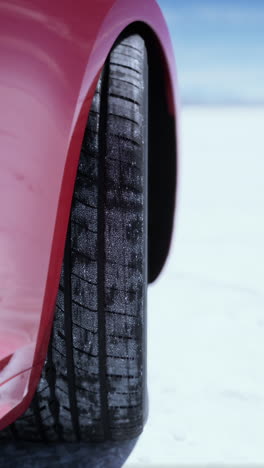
(206, 312)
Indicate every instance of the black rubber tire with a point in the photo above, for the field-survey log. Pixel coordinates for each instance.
(93, 383)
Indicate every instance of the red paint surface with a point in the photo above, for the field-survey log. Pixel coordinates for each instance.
(51, 55)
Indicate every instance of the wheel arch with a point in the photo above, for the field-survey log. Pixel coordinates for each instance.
(162, 160)
(163, 151)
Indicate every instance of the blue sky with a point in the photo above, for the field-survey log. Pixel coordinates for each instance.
(219, 48)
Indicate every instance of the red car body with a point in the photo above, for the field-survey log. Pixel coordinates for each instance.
(52, 53)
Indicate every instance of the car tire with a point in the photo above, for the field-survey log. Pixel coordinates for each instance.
(93, 385)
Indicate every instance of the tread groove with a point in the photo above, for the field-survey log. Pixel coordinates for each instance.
(125, 66)
(58, 351)
(81, 254)
(88, 390)
(50, 374)
(113, 312)
(85, 203)
(125, 138)
(127, 55)
(84, 328)
(122, 337)
(124, 98)
(125, 358)
(87, 353)
(83, 306)
(110, 262)
(101, 252)
(83, 279)
(126, 82)
(127, 163)
(131, 47)
(123, 117)
(120, 376)
(81, 225)
(68, 335)
(37, 416)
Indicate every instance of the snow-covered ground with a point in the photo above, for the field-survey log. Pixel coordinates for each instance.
(206, 312)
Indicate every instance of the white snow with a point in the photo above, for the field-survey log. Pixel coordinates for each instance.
(206, 312)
